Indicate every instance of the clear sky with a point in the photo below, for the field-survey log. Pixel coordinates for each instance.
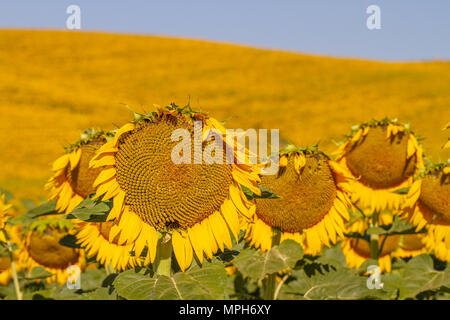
(410, 29)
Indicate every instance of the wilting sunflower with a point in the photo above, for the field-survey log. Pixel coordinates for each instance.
(197, 203)
(357, 250)
(41, 248)
(72, 178)
(312, 207)
(410, 245)
(382, 157)
(428, 206)
(94, 238)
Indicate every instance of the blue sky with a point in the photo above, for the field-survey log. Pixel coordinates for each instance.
(410, 29)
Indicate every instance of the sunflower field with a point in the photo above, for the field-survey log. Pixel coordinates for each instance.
(123, 221)
(117, 219)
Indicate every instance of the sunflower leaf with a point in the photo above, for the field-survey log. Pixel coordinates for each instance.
(342, 284)
(69, 241)
(419, 275)
(256, 265)
(38, 273)
(265, 193)
(44, 209)
(90, 210)
(205, 282)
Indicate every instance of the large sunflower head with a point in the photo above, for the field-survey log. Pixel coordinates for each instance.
(72, 178)
(382, 157)
(41, 248)
(428, 206)
(312, 206)
(357, 249)
(194, 201)
(94, 238)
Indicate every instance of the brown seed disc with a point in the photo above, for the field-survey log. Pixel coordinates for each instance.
(305, 198)
(362, 246)
(82, 178)
(164, 194)
(381, 162)
(45, 249)
(412, 242)
(435, 196)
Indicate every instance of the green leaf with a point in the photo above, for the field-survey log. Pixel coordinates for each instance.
(38, 273)
(92, 279)
(375, 230)
(342, 284)
(91, 210)
(255, 264)
(44, 209)
(101, 294)
(265, 193)
(70, 241)
(418, 276)
(401, 191)
(204, 283)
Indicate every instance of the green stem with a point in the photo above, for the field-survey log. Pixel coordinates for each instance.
(163, 261)
(269, 283)
(13, 267)
(374, 251)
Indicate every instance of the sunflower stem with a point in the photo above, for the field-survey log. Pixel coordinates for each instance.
(13, 267)
(163, 260)
(374, 251)
(269, 283)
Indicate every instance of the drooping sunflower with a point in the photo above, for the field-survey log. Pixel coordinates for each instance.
(41, 248)
(428, 205)
(383, 157)
(357, 250)
(72, 178)
(410, 245)
(94, 238)
(197, 203)
(312, 207)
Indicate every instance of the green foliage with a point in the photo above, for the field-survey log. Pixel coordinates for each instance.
(205, 282)
(90, 210)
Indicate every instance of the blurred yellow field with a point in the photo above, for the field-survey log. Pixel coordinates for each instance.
(53, 85)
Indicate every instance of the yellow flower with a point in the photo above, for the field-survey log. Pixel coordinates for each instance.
(357, 250)
(428, 206)
(196, 203)
(382, 157)
(72, 180)
(94, 237)
(41, 248)
(312, 207)
(447, 144)
(14, 233)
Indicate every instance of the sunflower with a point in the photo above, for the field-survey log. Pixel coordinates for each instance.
(94, 238)
(190, 207)
(6, 270)
(357, 249)
(312, 207)
(410, 245)
(72, 178)
(382, 157)
(41, 248)
(428, 206)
